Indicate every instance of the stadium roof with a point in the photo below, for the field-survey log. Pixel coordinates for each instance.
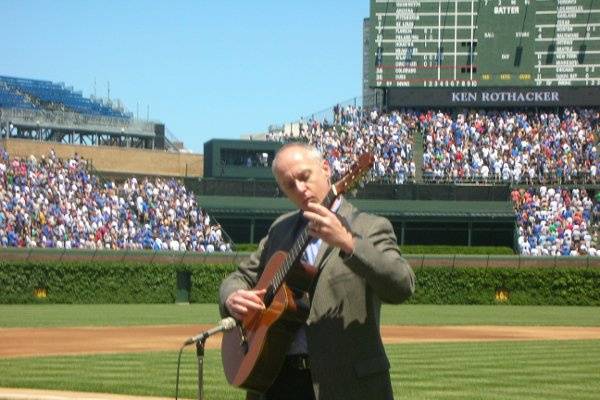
(417, 209)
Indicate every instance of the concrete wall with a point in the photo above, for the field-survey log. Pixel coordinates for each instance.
(116, 159)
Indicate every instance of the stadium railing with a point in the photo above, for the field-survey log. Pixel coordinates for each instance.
(66, 119)
(550, 178)
(366, 103)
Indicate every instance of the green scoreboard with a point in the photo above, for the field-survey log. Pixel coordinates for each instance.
(520, 44)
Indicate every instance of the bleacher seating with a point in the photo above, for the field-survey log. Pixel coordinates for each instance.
(9, 99)
(506, 146)
(493, 146)
(40, 94)
(54, 203)
(389, 136)
(555, 221)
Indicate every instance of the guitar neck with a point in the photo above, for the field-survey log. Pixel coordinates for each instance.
(300, 244)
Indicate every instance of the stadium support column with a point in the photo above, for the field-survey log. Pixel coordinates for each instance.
(4, 125)
(385, 99)
(402, 232)
(159, 137)
(252, 225)
(470, 233)
(418, 155)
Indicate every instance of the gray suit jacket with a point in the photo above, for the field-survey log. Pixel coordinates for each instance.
(348, 360)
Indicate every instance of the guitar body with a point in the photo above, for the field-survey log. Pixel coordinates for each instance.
(254, 351)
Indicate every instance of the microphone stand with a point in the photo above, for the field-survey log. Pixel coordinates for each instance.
(200, 355)
(225, 325)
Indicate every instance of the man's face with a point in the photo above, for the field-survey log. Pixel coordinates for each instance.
(302, 177)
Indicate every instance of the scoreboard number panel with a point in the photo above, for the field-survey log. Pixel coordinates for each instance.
(484, 43)
(505, 39)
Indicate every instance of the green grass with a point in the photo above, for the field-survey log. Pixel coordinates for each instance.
(168, 314)
(137, 374)
(55, 315)
(472, 370)
(497, 370)
(490, 315)
(485, 370)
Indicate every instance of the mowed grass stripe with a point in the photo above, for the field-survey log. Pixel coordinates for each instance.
(136, 373)
(484, 355)
(426, 314)
(65, 315)
(536, 370)
(484, 370)
(62, 315)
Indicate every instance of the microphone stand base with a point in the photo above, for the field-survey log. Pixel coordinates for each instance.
(200, 356)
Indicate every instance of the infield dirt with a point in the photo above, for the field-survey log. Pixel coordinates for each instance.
(28, 342)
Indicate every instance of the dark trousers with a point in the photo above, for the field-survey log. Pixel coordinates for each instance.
(293, 382)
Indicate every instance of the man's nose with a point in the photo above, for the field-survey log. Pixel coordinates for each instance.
(300, 186)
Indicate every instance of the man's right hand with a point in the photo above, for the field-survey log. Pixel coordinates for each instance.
(241, 301)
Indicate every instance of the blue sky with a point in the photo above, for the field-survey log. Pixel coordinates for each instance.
(207, 69)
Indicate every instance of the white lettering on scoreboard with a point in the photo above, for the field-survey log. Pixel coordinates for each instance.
(506, 97)
(506, 10)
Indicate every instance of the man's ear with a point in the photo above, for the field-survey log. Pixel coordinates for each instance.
(326, 169)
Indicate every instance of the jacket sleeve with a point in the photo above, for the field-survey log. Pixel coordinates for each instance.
(245, 277)
(250, 270)
(377, 259)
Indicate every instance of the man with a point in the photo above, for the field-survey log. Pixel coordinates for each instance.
(338, 353)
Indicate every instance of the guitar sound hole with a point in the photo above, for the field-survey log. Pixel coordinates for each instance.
(269, 296)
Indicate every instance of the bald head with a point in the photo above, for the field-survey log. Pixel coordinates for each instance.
(310, 151)
(301, 173)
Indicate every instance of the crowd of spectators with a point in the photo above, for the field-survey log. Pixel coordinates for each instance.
(389, 137)
(56, 203)
(556, 221)
(504, 146)
(535, 147)
(512, 147)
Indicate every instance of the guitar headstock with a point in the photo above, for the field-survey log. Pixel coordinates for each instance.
(357, 171)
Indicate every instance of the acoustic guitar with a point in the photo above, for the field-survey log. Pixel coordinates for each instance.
(254, 351)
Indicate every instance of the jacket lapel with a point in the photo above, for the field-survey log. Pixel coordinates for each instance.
(326, 251)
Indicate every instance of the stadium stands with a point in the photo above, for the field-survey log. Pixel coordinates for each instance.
(390, 136)
(494, 146)
(542, 147)
(10, 99)
(57, 203)
(556, 221)
(46, 95)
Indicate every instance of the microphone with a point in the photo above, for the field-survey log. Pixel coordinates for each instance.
(225, 324)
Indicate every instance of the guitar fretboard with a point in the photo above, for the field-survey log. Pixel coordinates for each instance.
(299, 246)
